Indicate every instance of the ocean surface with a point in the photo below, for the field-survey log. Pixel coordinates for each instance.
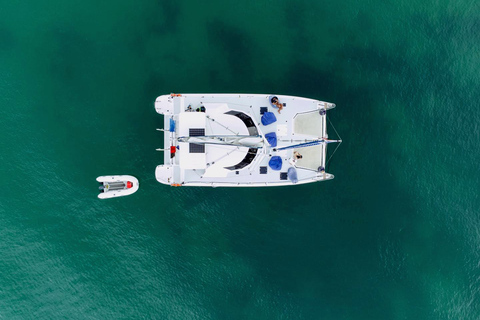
(396, 235)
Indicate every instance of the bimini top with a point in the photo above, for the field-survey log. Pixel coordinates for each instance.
(231, 139)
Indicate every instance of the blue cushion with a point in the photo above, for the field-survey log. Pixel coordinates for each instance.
(272, 138)
(275, 163)
(268, 118)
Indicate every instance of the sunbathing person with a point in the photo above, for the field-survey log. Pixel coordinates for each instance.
(296, 156)
(277, 104)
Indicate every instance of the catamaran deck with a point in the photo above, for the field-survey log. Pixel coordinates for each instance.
(231, 148)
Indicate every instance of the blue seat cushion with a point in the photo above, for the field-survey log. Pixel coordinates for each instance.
(268, 118)
(271, 138)
(275, 163)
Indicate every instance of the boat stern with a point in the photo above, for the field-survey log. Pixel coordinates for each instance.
(164, 174)
(164, 105)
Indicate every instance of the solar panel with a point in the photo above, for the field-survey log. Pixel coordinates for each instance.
(196, 148)
(196, 132)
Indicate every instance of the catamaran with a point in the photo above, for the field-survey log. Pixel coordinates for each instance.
(243, 140)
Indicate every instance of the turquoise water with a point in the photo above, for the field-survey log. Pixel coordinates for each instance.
(394, 236)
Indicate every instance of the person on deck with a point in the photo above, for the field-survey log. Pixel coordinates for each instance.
(277, 104)
(296, 156)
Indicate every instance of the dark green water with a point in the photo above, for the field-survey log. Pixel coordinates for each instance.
(394, 236)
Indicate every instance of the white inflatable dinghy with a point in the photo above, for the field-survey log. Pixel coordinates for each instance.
(117, 186)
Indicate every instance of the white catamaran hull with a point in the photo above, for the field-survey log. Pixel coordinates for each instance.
(226, 140)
